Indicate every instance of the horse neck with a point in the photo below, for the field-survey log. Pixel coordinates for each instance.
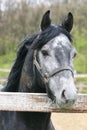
(34, 120)
(28, 83)
(30, 80)
(34, 86)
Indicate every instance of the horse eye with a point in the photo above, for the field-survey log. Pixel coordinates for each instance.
(45, 52)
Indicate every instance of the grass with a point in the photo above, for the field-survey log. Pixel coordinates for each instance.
(83, 85)
(80, 43)
(85, 88)
(3, 74)
(6, 62)
(81, 80)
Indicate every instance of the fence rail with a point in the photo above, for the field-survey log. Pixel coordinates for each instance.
(38, 102)
(4, 70)
(81, 76)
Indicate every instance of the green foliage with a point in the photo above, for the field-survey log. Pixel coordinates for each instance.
(7, 60)
(3, 74)
(80, 42)
(81, 80)
(6, 45)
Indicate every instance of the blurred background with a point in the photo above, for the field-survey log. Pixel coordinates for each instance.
(19, 18)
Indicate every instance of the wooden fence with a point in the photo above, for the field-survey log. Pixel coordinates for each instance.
(38, 102)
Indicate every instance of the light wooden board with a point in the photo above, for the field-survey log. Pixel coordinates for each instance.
(38, 103)
(4, 70)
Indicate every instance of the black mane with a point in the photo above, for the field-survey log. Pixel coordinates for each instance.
(14, 76)
(48, 34)
(36, 41)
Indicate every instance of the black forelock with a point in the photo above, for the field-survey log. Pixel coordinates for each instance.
(15, 74)
(48, 34)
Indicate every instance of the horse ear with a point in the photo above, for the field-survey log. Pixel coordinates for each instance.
(46, 21)
(68, 22)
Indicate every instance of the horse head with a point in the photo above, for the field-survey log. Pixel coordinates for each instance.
(48, 65)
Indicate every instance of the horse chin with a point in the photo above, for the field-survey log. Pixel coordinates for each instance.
(61, 102)
(64, 104)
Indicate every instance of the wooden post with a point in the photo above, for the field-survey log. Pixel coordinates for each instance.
(38, 102)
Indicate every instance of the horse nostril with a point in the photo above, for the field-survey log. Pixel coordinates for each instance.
(63, 94)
